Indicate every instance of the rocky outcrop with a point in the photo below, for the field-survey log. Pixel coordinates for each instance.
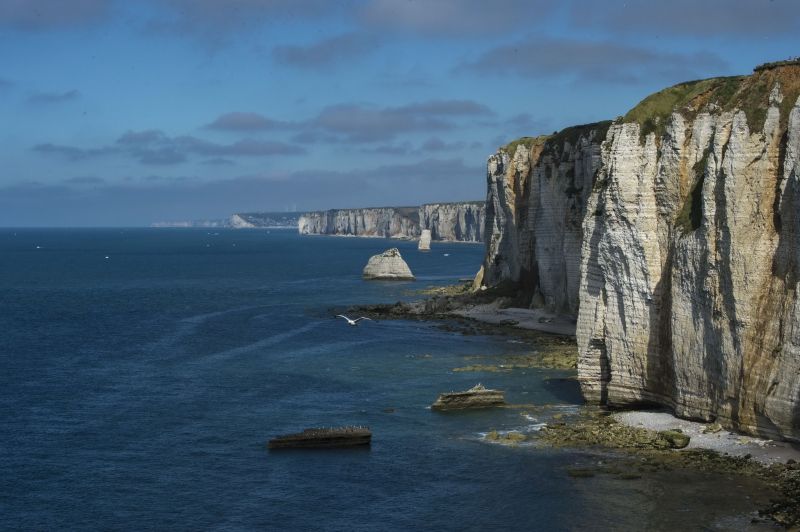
(457, 222)
(424, 240)
(691, 255)
(476, 397)
(388, 266)
(386, 222)
(536, 200)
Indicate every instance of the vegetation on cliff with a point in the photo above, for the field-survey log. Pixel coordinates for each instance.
(747, 93)
(528, 142)
(554, 143)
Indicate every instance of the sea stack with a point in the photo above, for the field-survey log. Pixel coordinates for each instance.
(388, 266)
(425, 240)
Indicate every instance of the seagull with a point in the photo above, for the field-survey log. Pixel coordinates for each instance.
(352, 322)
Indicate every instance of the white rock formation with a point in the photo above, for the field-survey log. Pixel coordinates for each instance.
(457, 222)
(691, 263)
(536, 200)
(388, 266)
(387, 222)
(424, 240)
(237, 222)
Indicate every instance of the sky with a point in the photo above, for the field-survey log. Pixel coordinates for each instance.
(123, 113)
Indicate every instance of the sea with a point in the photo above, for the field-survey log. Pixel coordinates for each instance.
(142, 372)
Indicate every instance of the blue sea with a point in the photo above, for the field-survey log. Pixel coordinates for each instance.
(144, 370)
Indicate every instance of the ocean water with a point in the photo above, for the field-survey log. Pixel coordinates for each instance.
(142, 372)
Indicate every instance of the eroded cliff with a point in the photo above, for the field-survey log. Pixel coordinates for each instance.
(689, 263)
(458, 222)
(536, 199)
(387, 222)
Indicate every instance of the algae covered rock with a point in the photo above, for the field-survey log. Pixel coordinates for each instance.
(389, 266)
(674, 438)
(476, 397)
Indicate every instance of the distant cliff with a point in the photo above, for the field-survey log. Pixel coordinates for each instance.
(447, 221)
(386, 222)
(247, 220)
(536, 200)
(458, 222)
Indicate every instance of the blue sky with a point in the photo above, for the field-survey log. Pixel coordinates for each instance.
(119, 113)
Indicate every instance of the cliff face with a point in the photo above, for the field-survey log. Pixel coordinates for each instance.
(457, 222)
(536, 199)
(461, 222)
(689, 263)
(388, 222)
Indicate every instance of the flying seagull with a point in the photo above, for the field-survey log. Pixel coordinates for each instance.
(352, 322)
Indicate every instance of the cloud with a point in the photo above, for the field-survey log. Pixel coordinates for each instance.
(242, 121)
(357, 123)
(390, 149)
(219, 161)
(71, 153)
(157, 156)
(37, 15)
(141, 138)
(47, 98)
(326, 52)
(606, 62)
(688, 17)
(454, 18)
(154, 147)
(431, 145)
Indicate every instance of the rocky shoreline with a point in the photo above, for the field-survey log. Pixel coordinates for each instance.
(643, 448)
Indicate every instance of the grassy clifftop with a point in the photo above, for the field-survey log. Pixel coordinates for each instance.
(556, 140)
(747, 93)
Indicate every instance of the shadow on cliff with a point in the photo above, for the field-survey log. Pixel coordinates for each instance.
(660, 361)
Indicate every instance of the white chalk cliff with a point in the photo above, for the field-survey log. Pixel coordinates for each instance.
(689, 262)
(457, 222)
(536, 199)
(689, 269)
(387, 222)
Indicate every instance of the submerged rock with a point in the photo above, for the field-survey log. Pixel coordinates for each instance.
(476, 397)
(507, 438)
(389, 265)
(323, 438)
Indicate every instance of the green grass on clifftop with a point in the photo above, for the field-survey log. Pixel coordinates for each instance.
(573, 133)
(511, 147)
(556, 141)
(747, 93)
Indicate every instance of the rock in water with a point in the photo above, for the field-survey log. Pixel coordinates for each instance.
(388, 266)
(476, 397)
(323, 438)
(425, 240)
